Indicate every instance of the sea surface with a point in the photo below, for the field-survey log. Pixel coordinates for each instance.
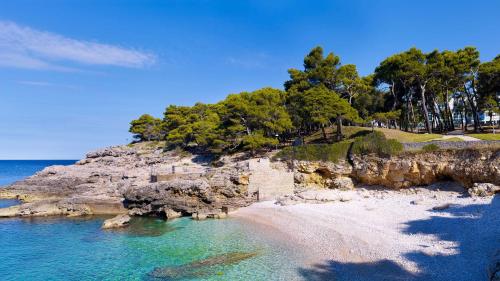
(62, 248)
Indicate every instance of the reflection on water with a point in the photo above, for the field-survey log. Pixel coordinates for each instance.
(201, 268)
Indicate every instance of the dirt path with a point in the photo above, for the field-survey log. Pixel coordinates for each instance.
(463, 137)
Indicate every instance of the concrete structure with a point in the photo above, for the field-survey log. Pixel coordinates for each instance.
(268, 182)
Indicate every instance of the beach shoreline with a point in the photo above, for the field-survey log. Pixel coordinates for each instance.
(378, 234)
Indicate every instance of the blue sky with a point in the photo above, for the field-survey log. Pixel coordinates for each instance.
(74, 73)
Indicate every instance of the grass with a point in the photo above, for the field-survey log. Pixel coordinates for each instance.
(430, 147)
(403, 136)
(371, 143)
(376, 143)
(486, 136)
(354, 131)
(348, 131)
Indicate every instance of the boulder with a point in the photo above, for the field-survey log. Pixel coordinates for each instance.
(116, 222)
(344, 183)
(171, 214)
(483, 189)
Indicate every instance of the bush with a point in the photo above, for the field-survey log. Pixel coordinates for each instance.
(315, 152)
(430, 147)
(376, 143)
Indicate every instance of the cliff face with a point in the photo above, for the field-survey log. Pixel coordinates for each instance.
(119, 180)
(467, 167)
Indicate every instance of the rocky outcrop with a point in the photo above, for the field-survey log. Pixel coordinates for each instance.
(484, 189)
(210, 194)
(116, 222)
(410, 169)
(120, 180)
(317, 174)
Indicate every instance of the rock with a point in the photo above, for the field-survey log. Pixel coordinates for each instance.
(9, 212)
(344, 183)
(199, 216)
(116, 222)
(316, 174)
(483, 189)
(417, 202)
(171, 214)
(345, 199)
(442, 207)
(414, 169)
(220, 216)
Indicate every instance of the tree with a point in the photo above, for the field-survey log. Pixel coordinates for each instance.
(350, 84)
(489, 87)
(321, 105)
(318, 70)
(147, 128)
(466, 66)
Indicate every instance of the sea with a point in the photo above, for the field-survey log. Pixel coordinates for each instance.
(61, 248)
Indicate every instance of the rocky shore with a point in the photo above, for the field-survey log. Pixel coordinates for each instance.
(142, 179)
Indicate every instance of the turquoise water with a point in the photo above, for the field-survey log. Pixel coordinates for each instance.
(77, 249)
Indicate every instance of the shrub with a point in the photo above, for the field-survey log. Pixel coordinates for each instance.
(376, 143)
(315, 152)
(430, 147)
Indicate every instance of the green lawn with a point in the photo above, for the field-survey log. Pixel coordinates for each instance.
(402, 136)
(350, 131)
(486, 136)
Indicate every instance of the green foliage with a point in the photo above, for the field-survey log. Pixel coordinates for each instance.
(430, 147)
(257, 140)
(376, 143)
(315, 152)
(411, 89)
(147, 128)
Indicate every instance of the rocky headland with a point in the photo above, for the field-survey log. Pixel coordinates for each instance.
(142, 179)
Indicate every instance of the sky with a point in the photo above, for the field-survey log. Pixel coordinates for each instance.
(73, 74)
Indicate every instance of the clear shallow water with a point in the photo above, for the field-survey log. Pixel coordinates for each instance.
(77, 249)
(14, 170)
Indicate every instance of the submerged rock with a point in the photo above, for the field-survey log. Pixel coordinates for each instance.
(116, 222)
(202, 267)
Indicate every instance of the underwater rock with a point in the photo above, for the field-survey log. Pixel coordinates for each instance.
(201, 267)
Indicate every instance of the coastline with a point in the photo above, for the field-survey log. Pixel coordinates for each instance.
(388, 235)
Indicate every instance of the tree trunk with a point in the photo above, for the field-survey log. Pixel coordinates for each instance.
(324, 133)
(424, 109)
(339, 128)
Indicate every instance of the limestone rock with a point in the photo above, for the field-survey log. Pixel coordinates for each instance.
(483, 189)
(116, 222)
(171, 214)
(412, 169)
(344, 183)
